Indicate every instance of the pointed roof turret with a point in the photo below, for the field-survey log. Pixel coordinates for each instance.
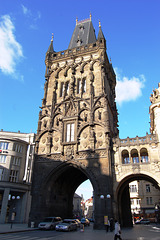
(100, 34)
(83, 34)
(50, 49)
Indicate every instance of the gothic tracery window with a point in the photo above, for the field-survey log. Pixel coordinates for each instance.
(70, 127)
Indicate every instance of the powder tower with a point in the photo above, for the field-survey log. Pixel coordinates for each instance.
(76, 127)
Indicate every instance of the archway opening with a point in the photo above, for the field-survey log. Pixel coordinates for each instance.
(138, 196)
(83, 204)
(59, 190)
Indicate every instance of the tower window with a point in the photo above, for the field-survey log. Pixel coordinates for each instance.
(84, 86)
(61, 89)
(66, 88)
(70, 132)
(78, 86)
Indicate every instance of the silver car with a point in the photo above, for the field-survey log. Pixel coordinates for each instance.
(49, 223)
(67, 225)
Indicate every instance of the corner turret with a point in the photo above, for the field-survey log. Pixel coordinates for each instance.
(48, 59)
(154, 111)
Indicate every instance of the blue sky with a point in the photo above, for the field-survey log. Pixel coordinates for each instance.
(132, 32)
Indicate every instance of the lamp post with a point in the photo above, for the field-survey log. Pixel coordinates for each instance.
(107, 206)
(14, 209)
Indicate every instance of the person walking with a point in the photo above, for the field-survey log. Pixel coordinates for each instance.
(111, 225)
(117, 233)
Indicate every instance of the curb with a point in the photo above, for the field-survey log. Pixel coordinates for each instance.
(15, 231)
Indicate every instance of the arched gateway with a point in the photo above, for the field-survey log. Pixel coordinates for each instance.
(77, 136)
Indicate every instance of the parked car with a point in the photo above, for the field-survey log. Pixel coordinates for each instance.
(91, 219)
(49, 223)
(142, 221)
(67, 225)
(78, 222)
(85, 221)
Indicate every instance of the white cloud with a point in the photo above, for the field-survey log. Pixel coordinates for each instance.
(33, 18)
(25, 10)
(128, 89)
(10, 50)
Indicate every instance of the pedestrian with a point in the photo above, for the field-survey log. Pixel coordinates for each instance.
(82, 227)
(111, 225)
(117, 233)
(107, 225)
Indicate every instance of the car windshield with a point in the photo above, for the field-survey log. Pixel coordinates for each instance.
(67, 221)
(48, 219)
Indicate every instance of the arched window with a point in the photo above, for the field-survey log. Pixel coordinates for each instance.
(125, 157)
(134, 156)
(84, 85)
(144, 155)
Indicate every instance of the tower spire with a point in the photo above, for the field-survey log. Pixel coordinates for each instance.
(90, 16)
(100, 34)
(50, 49)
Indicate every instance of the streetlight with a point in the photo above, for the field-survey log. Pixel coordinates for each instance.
(14, 209)
(106, 217)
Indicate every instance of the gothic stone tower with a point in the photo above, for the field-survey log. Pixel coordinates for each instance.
(77, 122)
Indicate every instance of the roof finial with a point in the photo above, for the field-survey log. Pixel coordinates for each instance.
(76, 20)
(90, 16)
(52, 37)
(99, 23)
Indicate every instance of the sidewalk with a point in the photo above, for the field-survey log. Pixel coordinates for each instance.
(8, 228)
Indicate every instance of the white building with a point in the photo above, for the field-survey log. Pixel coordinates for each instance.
(16, 161)
(144, 198)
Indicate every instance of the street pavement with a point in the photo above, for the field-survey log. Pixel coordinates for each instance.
(138, 232)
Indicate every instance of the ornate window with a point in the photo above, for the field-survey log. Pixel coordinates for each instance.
(61, 89)
(125, 157)
(66, 88)
(144, 155)
(70, 130)
(78, 86)
(84, 86)
(134, 155)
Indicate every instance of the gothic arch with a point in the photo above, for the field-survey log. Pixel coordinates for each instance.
(129, 174)
(92, 64)
(56, 73)
(82, 128)
(122, 196)
(56, 188)
(82, 66)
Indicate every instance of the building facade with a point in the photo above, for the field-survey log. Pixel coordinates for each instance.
(16, 161)
(77, 211)
(144, 199)
(78, 137)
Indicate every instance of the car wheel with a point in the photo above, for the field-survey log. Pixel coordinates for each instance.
(51, 227)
